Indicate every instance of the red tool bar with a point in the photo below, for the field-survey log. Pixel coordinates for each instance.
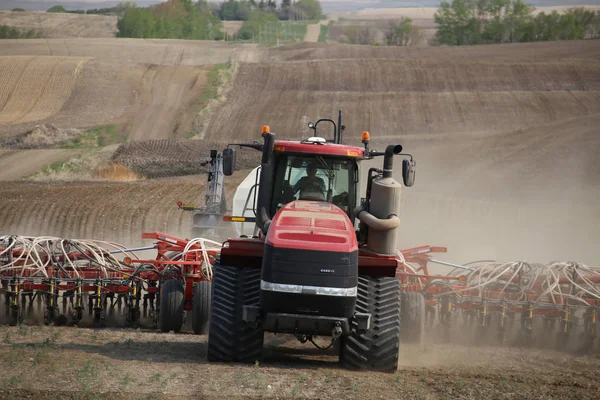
(423, 250)
(431, 277)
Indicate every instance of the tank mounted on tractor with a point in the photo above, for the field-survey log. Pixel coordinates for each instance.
(323, 260)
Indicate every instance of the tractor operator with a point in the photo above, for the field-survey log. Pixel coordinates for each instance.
(311, 187)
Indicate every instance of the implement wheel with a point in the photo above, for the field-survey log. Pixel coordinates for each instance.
(377, 349)
(201, 307)
(170, 317)
(413, 317)
(229, 338)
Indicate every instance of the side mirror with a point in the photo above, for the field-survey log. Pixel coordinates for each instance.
(228, 161)
(408, 172)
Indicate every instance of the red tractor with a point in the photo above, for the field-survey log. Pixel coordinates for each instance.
(323, 261)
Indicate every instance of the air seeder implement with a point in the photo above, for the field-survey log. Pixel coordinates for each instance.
(313, 258)
(323, 260)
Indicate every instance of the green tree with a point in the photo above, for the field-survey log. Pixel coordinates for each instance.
(457, 23)
(174, 19)
(497, 21)
(310, 9)
(233, 10)
(359, 34)
(18, 9)
(57, 9)
(518, 21)
(401, 32)
(255, 24)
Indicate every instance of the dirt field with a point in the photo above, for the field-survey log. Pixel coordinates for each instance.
(43, 362)
(36, 88)
(506, 143)
(422, 16)
(439, 91)
(16, 164)
(147, 88)
(62, 25)
(507, 133)
(232, 27)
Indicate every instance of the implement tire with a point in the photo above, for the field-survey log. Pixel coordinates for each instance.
(229, 338)
(377, 349)
(413, 317)
(170, 317)
(201, 307)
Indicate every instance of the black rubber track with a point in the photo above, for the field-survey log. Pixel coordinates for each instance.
(413, 317)
(201, 307)
(170, 317)
(229, 338)
(377, 349)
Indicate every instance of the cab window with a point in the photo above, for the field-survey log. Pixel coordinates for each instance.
(317, 178)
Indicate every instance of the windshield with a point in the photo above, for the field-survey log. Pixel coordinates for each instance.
(299, 177)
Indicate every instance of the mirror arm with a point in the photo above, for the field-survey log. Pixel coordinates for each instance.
(255, 145)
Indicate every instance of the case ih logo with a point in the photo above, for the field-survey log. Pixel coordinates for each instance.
(327, 271)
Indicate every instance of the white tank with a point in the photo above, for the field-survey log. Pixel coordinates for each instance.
(243, 202)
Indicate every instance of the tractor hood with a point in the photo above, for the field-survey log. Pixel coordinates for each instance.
(312, 225)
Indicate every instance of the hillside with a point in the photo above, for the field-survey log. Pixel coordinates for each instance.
(62, 25)
(506, 133)
(145, 87)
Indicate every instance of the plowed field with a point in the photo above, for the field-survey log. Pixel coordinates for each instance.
(35, 88)
(440, 91)
(62, 25)
(506, 142)
(147, 88)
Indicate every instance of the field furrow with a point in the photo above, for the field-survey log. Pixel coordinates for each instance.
(57, 89)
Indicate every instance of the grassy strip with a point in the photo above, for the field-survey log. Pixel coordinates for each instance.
(325, 31)
(92, 142)
(97, 137)
(217, 77)
(9, 32)
(288, 32)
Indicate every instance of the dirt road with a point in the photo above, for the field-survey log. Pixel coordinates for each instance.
(15, 164)
(313, 31)
(61, 363)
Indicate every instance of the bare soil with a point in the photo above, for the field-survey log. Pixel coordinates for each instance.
(62, 25)
(148, 88)
(313, 31)
(15, 164)
(47, 362)
(506, 143)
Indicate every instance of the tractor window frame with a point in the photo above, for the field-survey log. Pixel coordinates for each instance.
(284, 172)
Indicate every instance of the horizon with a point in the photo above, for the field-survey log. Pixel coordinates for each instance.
(329, 6)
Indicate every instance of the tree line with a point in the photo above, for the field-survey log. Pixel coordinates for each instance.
(471, 22)
(400, 32)
(10, 32)
(241, 10)
(184, 19)
(174, 19)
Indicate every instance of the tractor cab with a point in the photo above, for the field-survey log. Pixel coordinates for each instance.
(321, 260)
(313, 169)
